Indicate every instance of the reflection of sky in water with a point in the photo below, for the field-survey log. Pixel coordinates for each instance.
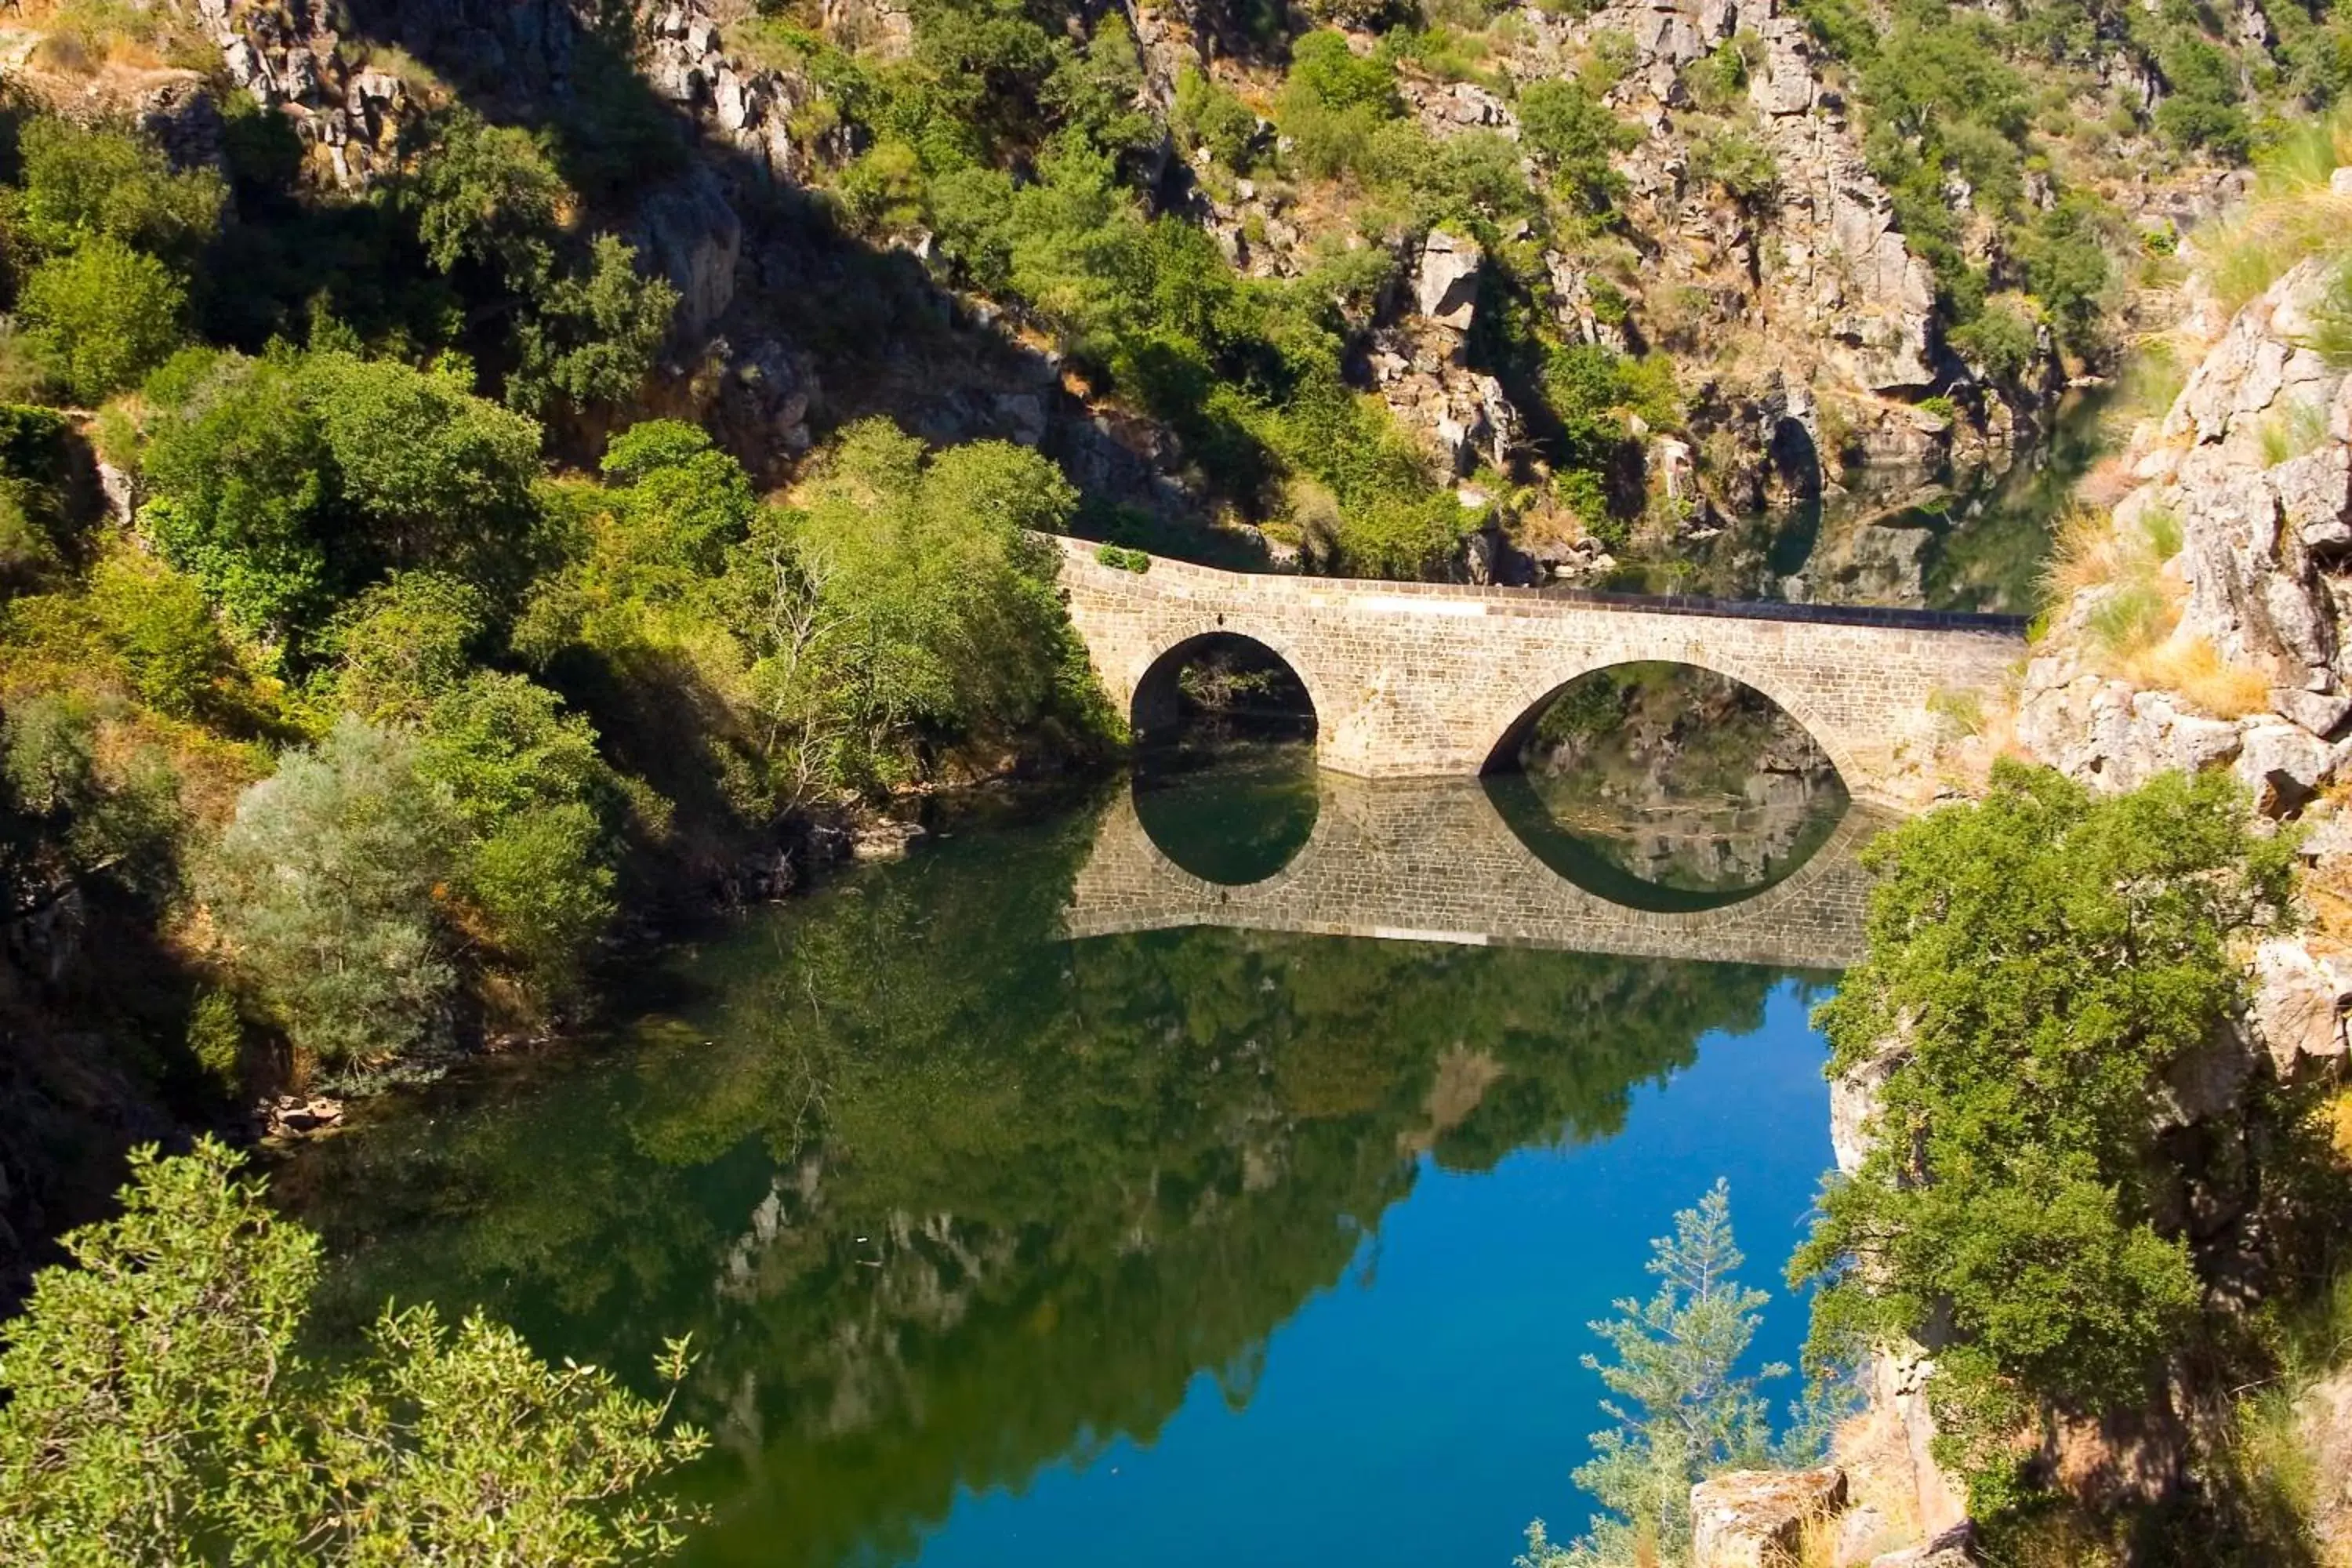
(1428, 1406)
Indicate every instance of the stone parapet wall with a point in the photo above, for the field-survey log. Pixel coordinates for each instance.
(1413, 679)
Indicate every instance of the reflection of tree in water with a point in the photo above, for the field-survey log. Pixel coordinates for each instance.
(944, 1199)
(1682, 778)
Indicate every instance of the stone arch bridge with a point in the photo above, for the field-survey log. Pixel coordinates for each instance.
(1420, 680)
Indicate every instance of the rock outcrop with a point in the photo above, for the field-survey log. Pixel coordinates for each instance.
(2246, 490)
(1757, 1519)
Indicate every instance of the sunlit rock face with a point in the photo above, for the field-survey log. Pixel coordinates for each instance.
(1682, 778)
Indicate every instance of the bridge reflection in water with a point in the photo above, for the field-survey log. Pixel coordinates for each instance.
(1434, 861)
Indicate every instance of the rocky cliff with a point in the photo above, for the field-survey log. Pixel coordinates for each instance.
(2199, 624)
(1802, 323)
(2211, 630)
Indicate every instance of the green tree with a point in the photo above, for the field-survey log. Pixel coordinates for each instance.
(488, 195)
(438, 475)
(102, 316)
(1572, 131)
(536, 850)
(69, 827)
(326, 887)
(1682, 1410)
(159, 1412)
(909, 599)
(242, 478)
(284, 483)
(2001, 341)
(2038, 962)
(591, 335)
(402, 644)
(159, 621)
(84, 184)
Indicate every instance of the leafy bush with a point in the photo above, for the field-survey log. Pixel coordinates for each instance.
(536, 805)
(1571, 131)
(327, 887)
(400, 644)
(159, 621)
(1207, 115)
(2201, 110)
(102, 316)
(84, 184)
(2038, 962)
(68, 825)
(2000, 342)
(1123, 559)
(285, 482)
(1740, 166)
(156, 1398)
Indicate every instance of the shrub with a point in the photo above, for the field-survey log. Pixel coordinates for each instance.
(1122, 558)
(283, 483)
(2000, 342)
(216, 1038)
(1207, 115)
(82, 185)
(102, 316)
(156, 1397)
(158, 620)
(1740, 166)
(400, 644)
(2038, 962)
(326, 887)
(1571, 131)
(535, 803)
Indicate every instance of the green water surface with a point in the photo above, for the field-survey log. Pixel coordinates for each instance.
(999, 1248)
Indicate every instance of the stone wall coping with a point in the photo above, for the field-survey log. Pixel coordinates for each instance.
(1536, 601)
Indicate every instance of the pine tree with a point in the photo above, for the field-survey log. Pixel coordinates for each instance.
(1681, 1413)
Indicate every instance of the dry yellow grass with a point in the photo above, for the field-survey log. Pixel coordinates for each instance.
(2195, 669)
(2087, 554)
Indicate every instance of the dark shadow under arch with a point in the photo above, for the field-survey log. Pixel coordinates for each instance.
(1162, 705)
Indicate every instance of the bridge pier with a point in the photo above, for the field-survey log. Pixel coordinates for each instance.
(1426, 680)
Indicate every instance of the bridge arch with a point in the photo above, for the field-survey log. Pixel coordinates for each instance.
(1154, 703)
(1550, 683)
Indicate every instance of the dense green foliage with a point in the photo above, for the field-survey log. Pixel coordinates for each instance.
(2038, 963)
(287, 483)
(1683, 1412)
(158, 1411)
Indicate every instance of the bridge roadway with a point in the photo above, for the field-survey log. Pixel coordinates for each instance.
(1420, 680)
(1432, 860)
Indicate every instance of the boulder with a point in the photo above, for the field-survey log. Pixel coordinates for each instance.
(2283, 764)
(1949, 1549)
(1757, 1519)
(687, 230)
(1785, 84)
(2299, 1004)
(1445, 287)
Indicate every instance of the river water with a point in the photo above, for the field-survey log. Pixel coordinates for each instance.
(1095, 1184)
